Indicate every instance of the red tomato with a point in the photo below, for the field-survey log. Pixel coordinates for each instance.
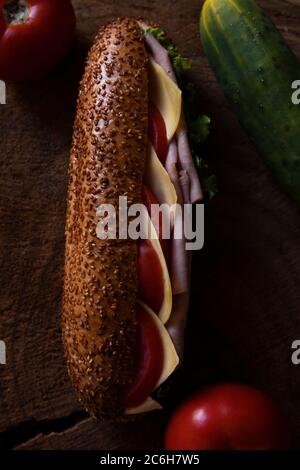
(149, 361)
(149, 200)
(157, 132)
(150, 276)
(227, 416)
(34, 36)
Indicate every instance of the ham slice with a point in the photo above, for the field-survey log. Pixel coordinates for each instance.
(180, 259)
(187, 163)
(171, 166)
(179, 268)
(160, 55)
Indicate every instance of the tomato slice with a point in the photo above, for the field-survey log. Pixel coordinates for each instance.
(149, 361)
(149, 199)
(157, 132)
(150, 277)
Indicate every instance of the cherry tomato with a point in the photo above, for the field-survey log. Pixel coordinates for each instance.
(34, 36)
(227, 416)
(157, 133)
(149, 361)
(150, 200)
(150, 276)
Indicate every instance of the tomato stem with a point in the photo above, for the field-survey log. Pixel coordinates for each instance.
(16, 11)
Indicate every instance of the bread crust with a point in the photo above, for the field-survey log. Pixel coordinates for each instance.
(107, 161)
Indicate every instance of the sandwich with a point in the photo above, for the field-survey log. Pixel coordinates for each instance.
(125, 299)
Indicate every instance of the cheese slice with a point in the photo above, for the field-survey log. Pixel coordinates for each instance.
(158, 180)
(166, 307)
(171, 361)
(166, 96)
(146, 407)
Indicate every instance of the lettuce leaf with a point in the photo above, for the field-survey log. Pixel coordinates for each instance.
(199, 129)
(208, 180)
(180, 64)
(198, 124)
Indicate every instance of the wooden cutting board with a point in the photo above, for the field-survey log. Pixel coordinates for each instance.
(245, 309)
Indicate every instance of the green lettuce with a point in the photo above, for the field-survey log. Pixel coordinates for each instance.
(180, 64)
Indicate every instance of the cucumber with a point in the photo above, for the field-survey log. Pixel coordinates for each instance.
(256, 70)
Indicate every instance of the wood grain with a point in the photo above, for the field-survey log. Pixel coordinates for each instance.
(246, 299)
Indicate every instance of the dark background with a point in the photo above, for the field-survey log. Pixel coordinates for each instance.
(245, 309)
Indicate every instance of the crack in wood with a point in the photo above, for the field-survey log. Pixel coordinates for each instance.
(27, 430)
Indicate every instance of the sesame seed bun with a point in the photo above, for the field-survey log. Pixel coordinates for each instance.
(107, 161)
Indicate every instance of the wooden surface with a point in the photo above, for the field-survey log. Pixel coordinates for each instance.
(245, 309)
